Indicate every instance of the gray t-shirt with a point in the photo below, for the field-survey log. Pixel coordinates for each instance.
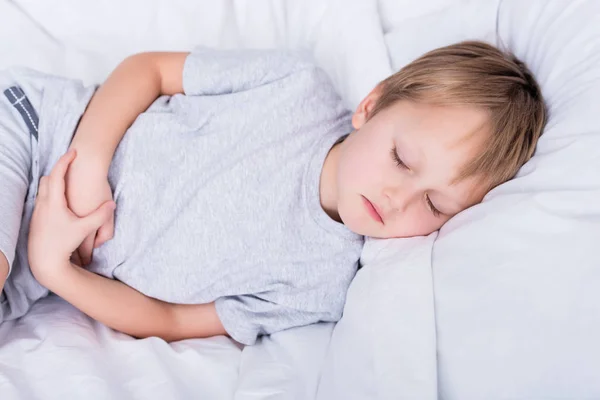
(217, 194)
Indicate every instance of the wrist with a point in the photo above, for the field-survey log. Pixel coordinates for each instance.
(51, 275)
(87, 165)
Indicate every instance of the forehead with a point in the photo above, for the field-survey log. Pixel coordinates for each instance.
(446, 125)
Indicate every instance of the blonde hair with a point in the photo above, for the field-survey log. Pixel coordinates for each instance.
(474, 73)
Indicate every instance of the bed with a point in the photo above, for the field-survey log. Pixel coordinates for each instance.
(56, 352)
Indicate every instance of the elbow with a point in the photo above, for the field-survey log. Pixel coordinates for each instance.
(143, 63)
(143, 58)
(167, 337)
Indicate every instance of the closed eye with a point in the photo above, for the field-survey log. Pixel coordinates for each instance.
(432, 208)
(397, 159)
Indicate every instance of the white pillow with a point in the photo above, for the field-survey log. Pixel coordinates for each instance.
(516, 279)
(384, 346)
(395, 13)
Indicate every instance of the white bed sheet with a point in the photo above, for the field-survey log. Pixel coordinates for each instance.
(55, 352)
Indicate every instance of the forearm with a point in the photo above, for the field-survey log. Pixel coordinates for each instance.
(125, 309)
(127, 92)
(112, 303)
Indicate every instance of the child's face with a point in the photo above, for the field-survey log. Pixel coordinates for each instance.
(416, 197)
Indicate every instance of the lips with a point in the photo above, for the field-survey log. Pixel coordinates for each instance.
(372, 210)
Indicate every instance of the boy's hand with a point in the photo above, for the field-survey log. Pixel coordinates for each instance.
(87, 188)
(55, 231)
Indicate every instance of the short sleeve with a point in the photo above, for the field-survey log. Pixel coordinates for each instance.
(246, 317)
(208, 71)
(14, 183)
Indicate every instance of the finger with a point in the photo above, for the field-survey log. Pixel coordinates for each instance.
(96, 219)
(43, 187)
(57, 175)
(105, 233)
(86, 248)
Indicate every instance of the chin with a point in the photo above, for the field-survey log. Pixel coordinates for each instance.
(351, 222)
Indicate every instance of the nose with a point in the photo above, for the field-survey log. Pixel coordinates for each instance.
(399, 198)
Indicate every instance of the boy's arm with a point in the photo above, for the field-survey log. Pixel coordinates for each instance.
(125, 309)
(55, 232)
(129, 90)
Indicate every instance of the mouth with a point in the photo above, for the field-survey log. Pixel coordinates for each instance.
(372, 210)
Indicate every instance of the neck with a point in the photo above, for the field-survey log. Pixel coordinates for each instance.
(328, 183)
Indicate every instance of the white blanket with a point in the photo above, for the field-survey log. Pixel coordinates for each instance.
(55, 352)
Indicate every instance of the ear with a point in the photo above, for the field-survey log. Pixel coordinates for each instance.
(363, 111)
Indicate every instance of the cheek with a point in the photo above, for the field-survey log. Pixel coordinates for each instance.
(354, 171)
(362, 165)
(354, 176)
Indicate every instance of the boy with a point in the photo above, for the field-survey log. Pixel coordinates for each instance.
(242, 205)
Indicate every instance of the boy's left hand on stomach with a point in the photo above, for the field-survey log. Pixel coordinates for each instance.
(55, 232)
